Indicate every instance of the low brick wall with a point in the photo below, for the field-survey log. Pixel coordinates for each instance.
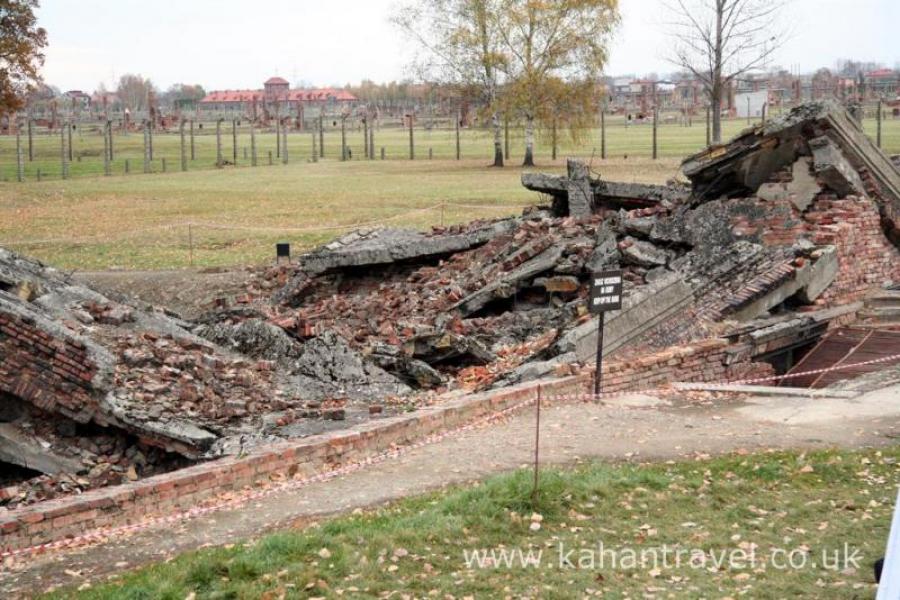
(45, 369)
(130, 503)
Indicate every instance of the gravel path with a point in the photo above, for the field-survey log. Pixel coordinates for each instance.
(633, 428)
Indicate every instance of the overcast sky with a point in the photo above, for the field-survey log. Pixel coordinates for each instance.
(227, 44)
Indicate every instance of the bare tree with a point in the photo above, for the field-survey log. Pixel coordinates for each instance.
(719, 40)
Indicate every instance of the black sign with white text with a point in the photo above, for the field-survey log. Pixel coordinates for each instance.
(606, 291)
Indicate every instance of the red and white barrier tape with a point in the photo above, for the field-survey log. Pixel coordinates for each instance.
(294, 484)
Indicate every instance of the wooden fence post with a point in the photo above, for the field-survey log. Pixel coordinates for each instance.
(253, 158)
(184, 160)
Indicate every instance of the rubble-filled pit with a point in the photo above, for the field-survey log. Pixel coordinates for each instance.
(778, 234)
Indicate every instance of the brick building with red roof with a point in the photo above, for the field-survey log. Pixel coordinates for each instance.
(276, 97)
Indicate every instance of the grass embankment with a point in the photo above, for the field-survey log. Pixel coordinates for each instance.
(235, 216)
(746, 515)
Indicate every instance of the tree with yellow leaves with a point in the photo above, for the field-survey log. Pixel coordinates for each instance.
(553, 53)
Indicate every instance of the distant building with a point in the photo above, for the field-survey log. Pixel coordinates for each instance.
(78, 99)
(882, 83)
(276, 97)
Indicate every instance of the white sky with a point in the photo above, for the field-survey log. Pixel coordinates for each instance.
(238, 44)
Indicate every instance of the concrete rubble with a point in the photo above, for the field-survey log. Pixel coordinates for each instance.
(96, 390)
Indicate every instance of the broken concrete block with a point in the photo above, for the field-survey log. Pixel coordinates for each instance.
(803, 187)
(833, 169)
(643, 254)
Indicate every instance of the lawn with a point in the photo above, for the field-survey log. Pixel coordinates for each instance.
(769, 525)
(235, 216)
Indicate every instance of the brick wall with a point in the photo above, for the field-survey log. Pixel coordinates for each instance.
(194, 486)
(867, 259)
(48, 371)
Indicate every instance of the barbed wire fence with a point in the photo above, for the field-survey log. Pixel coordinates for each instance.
(41, 149)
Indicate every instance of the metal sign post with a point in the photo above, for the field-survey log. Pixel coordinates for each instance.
(606, 295)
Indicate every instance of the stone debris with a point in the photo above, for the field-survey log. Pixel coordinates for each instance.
(779, 231)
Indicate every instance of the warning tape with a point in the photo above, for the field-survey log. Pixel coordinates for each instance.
(294, 484)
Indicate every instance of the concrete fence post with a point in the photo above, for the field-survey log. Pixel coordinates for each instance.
(109, 134)
(278, 137)
(430, 153)
(708, 127)
(107, 167)
(147, 152)
(655, 123)
(30, 139)
(163, 161)
(343, 138)
(878, 125)
(234, 141)
(193, 147)
(253, 157)
(315, 151)
(458, 145)
(371, 142)
(505, 136)
(64, 154)
(69, 134)
(382, 153)
(321, 136)
(412, 141)
(553, 138)
(127, 166)
(219, 159)
(366, 136)
(20, 157)
(284, 139)
(603, 133)
(184, 160)
(150, 138)
(271, 162)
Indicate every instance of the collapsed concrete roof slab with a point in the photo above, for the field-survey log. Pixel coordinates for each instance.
(369, 247)
(578, 194)
(740, 166)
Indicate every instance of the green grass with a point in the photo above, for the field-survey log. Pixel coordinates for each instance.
(142, 221)
(786, 504)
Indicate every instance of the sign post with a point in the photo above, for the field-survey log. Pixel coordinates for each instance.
(606, 295)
